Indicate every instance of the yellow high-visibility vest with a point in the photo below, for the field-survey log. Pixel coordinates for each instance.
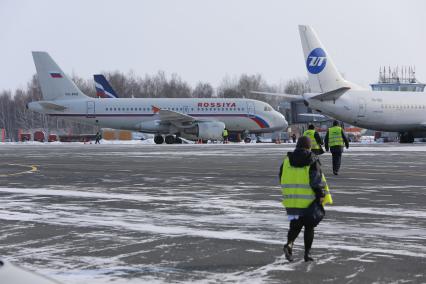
(311, 134)
(225, 133)
(296, 189)
(335, 136)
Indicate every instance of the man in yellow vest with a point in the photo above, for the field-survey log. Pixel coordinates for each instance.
(302, 184)
(334, 140)
(316, 140)
(225, 136)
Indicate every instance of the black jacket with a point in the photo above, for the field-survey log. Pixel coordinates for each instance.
(318, 138)
(345, 140)
(301, 158)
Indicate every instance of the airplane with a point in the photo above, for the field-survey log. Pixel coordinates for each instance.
(103, 88)
(331, 95)
(190, 118)
(11, 273)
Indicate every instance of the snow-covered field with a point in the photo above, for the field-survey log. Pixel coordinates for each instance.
(206, 214)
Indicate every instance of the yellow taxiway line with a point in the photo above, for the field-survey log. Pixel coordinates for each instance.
(32, 169)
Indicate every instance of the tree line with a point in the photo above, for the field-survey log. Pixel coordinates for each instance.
(14, 115)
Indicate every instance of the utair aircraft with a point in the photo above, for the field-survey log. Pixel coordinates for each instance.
(192, 118)
(403, 112)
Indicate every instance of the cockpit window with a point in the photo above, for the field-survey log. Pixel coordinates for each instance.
(267, 108)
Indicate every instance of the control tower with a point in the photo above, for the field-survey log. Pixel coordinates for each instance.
(398, 79)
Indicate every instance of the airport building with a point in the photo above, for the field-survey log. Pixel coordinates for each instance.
(398, 79)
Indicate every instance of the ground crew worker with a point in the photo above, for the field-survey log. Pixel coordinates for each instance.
(334, 140)
(98, 138)
(225, 136)
(316, 140)
(302, 183)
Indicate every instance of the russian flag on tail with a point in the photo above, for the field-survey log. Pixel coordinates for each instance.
(55, 74)
(103, 88)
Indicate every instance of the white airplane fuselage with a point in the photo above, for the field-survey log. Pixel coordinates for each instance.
(138, 114)
(376, 110)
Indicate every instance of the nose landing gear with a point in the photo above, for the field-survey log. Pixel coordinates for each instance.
(406, 137)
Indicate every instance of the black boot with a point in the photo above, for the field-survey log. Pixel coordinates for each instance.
(288, 252)
(308, 256)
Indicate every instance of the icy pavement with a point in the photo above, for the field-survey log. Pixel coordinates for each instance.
(206, 214)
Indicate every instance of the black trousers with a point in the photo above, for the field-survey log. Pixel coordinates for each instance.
(336, 153)
(295, 228)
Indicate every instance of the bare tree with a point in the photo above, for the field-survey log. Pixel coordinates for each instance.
(203, 90)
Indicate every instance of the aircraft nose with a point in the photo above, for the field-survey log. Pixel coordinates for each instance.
(280, 121)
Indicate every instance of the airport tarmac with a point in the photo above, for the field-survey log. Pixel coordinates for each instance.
(207, 213)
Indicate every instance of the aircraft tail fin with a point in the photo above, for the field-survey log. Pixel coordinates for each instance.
(103, 88)
(54, 83)
(322, 73)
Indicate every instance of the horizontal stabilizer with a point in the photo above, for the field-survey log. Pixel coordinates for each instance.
(287, 97)
(332, 95)
(52, 106)
(314, 115)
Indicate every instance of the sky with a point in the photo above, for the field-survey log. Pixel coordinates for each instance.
(206, 40)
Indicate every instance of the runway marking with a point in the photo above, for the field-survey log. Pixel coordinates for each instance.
(32, 169)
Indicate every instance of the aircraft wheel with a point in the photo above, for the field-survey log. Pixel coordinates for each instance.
(247, 140)
(158, 139)
(170, 139)
(406, 137)
(178, 140)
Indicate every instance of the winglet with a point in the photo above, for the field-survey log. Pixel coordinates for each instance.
(155, 109)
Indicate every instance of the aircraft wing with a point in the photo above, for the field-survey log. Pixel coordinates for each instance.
(173, 116)
(287, 97)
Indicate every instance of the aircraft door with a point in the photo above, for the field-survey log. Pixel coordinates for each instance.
(362, 107)
(250, 109)
(91, 109)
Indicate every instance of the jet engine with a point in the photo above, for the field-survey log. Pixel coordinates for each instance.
(206, 130)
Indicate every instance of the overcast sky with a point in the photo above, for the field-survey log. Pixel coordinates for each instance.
(205, 40)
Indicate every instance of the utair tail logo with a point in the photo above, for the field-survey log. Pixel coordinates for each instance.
(316, 61)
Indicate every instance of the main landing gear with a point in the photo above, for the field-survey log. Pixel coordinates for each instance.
(158, 139)
(170, 139)
(406, 137)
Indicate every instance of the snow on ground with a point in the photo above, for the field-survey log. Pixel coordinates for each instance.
(207, 214)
